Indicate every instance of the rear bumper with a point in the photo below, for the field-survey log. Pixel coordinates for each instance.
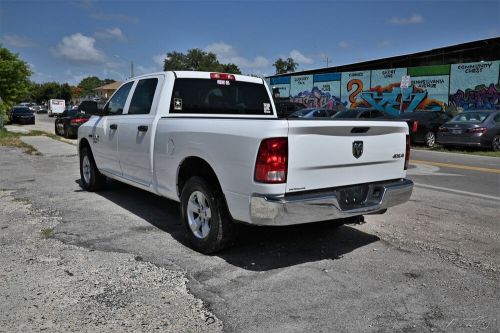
(465, 141)
(324, 206)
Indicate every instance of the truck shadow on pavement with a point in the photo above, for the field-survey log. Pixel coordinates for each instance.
(257, 248)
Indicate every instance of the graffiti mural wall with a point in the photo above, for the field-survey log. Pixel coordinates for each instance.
(475, 85)
(434, 88)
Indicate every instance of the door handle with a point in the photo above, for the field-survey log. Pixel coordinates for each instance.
(142, 128)
(113, 126)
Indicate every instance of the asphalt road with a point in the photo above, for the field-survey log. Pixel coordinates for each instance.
(472, 175)
(432, 264)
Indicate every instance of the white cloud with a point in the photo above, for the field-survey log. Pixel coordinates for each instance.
(414, 19)
(300, 58)
(145, 70)
(17, 41)
(228, 54)
(384, 43)
(115, 33)
(159, 59)
(79, 48)
(344, 45)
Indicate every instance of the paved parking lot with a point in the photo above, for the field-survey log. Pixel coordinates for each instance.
(431, 264)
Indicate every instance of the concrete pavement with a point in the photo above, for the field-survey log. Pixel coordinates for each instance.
(432, 264)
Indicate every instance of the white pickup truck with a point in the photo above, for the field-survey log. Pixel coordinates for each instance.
(213, 142)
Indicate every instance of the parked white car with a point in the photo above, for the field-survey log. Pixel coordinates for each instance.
(213, 142)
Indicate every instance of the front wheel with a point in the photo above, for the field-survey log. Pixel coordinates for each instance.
(430, 139)
(90, 177)
(495, 144)
(205, 217)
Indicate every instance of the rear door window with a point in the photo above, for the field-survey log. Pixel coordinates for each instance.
(223, 97)
(143, 96)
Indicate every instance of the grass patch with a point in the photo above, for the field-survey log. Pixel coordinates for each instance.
(11, 139)
(467, 151)
(47, 134)
(42, 133)
(47, 233)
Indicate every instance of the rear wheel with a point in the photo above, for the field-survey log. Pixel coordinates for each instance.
(205, 216)
(90, 177)
(65, 131)
(495, 144)
(430, 139)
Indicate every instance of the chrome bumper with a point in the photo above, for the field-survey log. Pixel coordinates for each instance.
(305, 208)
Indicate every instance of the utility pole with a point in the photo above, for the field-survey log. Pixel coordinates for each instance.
(327, 61)
(132, 69)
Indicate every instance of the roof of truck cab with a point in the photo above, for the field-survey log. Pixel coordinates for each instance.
(201, 75)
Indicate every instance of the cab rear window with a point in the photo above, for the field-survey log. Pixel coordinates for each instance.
(221, 97)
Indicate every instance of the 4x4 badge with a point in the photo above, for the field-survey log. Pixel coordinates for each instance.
(357, 149)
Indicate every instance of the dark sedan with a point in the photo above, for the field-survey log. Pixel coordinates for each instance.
(284, 108)
(424, 125)
(361, 114)
(313, 113)
(21, 115)
(68, 122)
(472, 129)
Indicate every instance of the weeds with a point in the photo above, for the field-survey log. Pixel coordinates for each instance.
(11, 139)
(47, 233)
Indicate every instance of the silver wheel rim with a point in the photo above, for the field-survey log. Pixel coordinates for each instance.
(496, 143)
(199, 215)
(430, 139)
(86, 169)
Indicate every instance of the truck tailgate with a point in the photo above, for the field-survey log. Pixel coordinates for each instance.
(322, 153)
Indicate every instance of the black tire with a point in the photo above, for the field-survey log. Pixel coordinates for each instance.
(56, 130)
(430, 139)
(221, 229)
(495, 143)
(90, 179)
(65, 132)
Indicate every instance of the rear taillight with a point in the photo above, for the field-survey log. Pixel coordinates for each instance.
(407, 155)
(222, 76)
(414, 128)
(481, 130)
(272, 161)
(443, 129)
(77, 121)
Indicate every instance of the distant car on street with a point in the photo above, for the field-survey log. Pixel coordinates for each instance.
(42, 109)
(286, 108)
(68, 122)
(21, 115)
(361, 114)
(472, 129)
(313, 113)
(424, 125)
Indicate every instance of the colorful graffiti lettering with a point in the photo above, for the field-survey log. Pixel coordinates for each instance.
(388, 99)
(478, 98)
(318, 99)
(359, 88)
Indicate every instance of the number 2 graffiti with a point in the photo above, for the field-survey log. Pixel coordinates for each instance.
(359, 89)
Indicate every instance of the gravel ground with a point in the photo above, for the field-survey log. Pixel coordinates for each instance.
(46, 285)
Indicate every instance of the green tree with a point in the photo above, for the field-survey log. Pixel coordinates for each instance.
(88, 85)
(14, 79)
(285, 66)
(197, 60)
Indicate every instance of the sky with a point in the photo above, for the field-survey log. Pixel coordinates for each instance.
(66, 41)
